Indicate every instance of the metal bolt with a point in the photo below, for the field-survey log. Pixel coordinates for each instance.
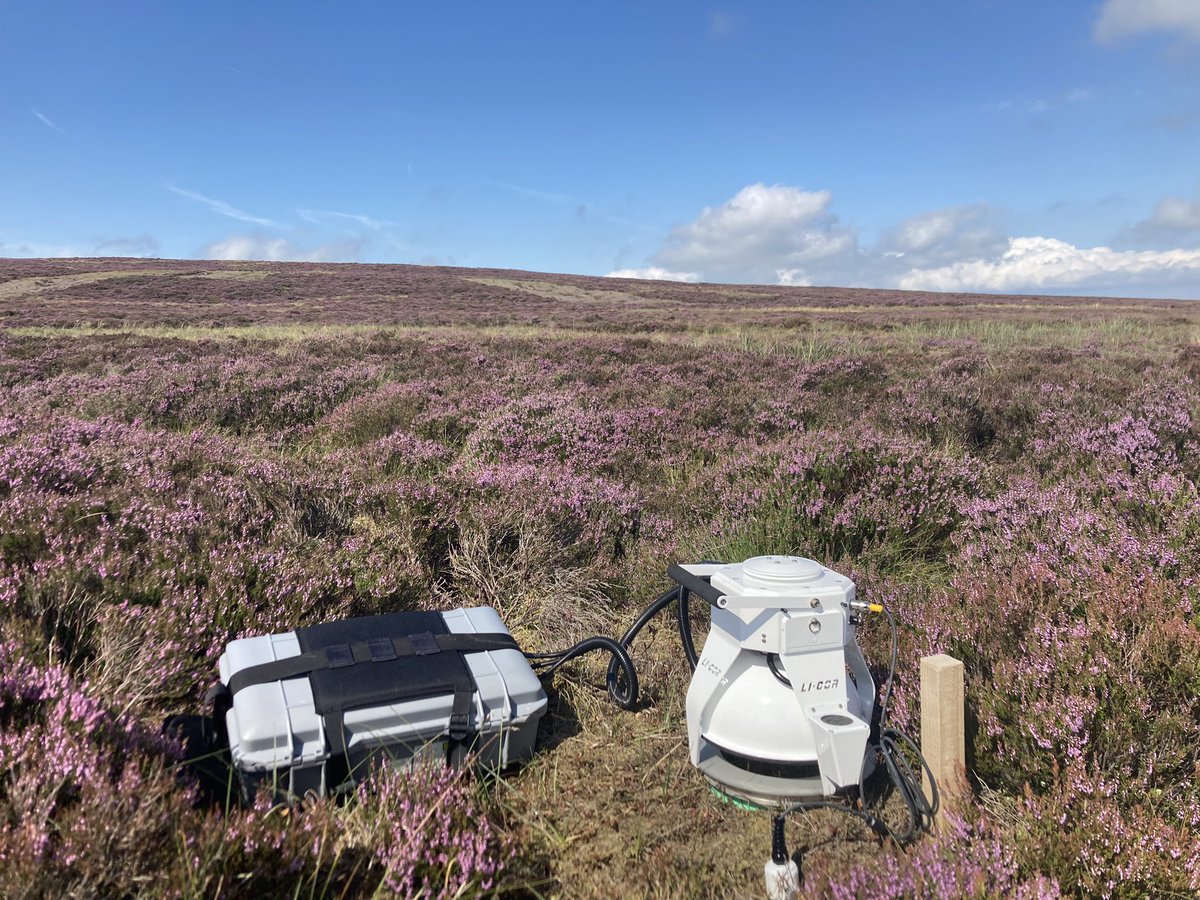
(814, 625)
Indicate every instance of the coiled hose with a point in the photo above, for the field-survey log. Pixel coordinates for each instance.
(621, 679)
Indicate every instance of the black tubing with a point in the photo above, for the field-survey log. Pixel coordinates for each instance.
(621, 662)
(773, 665)
(693, 583)
(661, 603)
(651, 611)
(685, 629)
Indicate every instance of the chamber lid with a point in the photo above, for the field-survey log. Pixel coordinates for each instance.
(775, 572)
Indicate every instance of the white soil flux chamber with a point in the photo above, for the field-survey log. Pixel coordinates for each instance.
(779, 706)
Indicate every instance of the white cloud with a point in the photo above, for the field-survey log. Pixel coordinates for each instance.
(945, 235)
(654, 273)
(1174, 220)
(924, 231)
(757, 232)
(1034, 264)
(221, 207)
(323, 217)
(792, 278)
(1125, 18)
(45, 120)
(1175, 212)
(245, 247)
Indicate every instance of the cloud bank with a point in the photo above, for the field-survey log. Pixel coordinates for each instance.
(654, 273)
(1038, 264)
(787, 235)
(141, 245)
(253, 247)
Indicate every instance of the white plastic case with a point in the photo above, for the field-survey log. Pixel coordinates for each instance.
(276, 734)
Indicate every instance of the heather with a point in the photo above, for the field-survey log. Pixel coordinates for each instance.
(192, 452)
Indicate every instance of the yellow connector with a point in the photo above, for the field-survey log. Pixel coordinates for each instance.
(870, 607)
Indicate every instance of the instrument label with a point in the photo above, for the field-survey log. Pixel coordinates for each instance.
(827, 685)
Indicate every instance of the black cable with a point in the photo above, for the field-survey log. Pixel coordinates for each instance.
(887, 685)
(889, 748)
(773, 665)
(625, 696)
(889, 752)
(921, 810)
(685, 628)
(907, 783)
(546, 663)
(873, 821)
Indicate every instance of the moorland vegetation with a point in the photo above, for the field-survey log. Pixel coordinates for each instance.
(192, 452)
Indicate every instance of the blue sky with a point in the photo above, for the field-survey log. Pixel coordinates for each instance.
(943, 144)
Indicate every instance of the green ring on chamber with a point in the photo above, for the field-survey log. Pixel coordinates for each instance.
(737, 802)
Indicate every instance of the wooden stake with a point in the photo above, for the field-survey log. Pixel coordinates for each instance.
(943, 731)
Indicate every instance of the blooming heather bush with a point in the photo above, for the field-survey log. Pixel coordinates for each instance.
(966, 857)
(186, 540)
(86, 796)
(859, 494)
(1103, 676)
(429, 834)
(1114, 835)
